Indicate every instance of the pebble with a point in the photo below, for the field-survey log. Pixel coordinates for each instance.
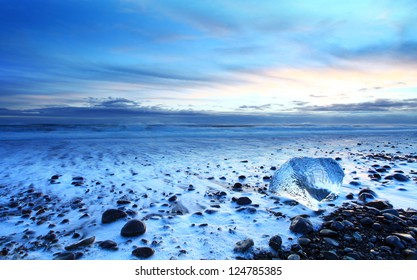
(301, 225)
(108, 244)
(330, 255)
(394, 242)
(275, 242)
(143, 252)
(331, 241)
(304, 241)
(133, 228)
(112, 215)
(82, 243)
(243, 200)
(400, 177)
(366, 221)
(244, 245)
(379, 204)
(294, 257)
(328, 233)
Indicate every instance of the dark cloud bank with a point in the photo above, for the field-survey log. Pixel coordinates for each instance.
(124, 111)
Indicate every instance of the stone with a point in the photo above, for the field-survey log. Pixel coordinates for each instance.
(294, 257)
(379, 204)
(172, 198)
(331, 241)
(301, 225)
(143, 252)
(65, 256)
(133, 228)
(337, 226)
(275, 242)
(328, 233)
(112, 215)
(330, 255)
(366, 221)
(108, 244)
(308, 181)
(304, 241)
(394, 242)
(243, 200)
(400, 177)
(82, 243)
(244, 245)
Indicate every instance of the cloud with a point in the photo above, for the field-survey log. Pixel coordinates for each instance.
(256, 107)
(112, 103)
(379, 105)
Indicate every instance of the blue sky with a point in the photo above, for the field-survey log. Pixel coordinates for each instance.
(342, 60)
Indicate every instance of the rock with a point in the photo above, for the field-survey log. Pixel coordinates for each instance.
(328, 233)
(143, 252)
(400, 177)
(379, 204)
(82, 243)
(330, 255)
(331, 241)
(133, 228)
(410, 254)
(337, 226)
(275, 242)
(301, 225)
(392, 212)
(243, 200)
(304, 241)
(376, 226)
(366, 221)
(172, 198)
(394, 242)
(123, 202)
(308, 180)
(65, 256)
(108, 244)
(294, 257)
(112, 215)
(349, 196)
(244, 245)
(406, 237)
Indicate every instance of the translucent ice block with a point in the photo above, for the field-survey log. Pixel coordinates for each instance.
(308, 180)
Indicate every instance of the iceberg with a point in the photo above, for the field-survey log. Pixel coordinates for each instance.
(308, 180)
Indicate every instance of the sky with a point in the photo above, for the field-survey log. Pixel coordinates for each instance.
(182, 60)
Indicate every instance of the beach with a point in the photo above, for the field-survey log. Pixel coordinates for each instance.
(202, 192)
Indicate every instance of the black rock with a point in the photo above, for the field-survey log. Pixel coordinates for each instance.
(172, 198)
(244, 245)
(133, 228)
(328, 233)
(379, 204)
(301, 225)
(400, 177)
(394, 242)
(304, 241)
(65, 256)
(123, 201)
(143, 252)
(338, 226)
(82, 243)
(366, 221)
(243, 200)
(330, 255)
(242, 177)
(108, 244)
(349, 196)
(112, 215)
(275, 242)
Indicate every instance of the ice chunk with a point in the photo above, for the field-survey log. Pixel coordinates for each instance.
(308, 180)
